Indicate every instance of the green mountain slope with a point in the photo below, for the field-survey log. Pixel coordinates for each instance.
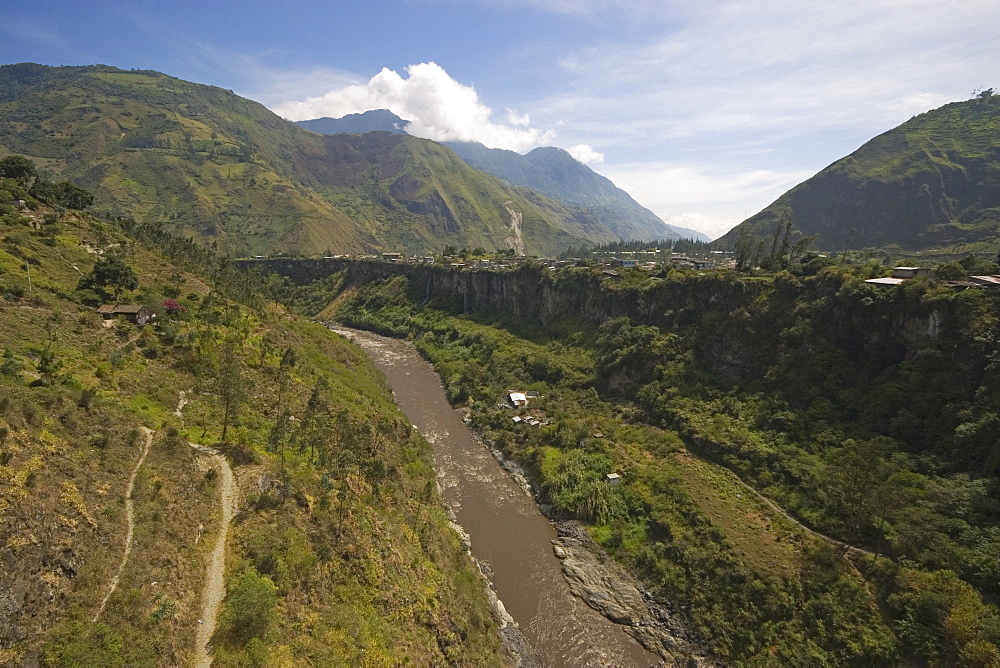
(340, 545)
(203, 161)
(556, 173)
(549, 170)
(933, 181)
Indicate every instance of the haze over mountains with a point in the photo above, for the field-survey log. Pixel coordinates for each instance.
(549, 170)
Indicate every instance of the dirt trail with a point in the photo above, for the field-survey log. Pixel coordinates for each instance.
(129, 520)
(215, 582)
(841, 545)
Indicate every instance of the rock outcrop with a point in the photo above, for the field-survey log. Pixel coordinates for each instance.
(607, 588)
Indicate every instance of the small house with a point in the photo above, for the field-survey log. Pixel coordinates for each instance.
(518, 399)
(140, 315)
(992, 281)
(911, 272)
(614, 479)
(885, 281)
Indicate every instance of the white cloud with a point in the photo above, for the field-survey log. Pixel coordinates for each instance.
(586, 154)
(783, 68)
(712, 227)
(437, 106)
(513, 118)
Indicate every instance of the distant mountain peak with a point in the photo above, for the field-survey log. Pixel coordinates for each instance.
(368, 121)
(555, 172)
(550, 170)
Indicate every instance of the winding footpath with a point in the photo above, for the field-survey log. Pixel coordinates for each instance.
(215, 583)
(129, 521)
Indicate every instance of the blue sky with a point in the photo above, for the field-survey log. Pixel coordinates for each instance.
(705, 112)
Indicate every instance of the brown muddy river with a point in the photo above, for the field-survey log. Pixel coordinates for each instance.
(506, 529)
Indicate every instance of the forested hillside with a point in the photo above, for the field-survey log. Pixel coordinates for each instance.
(339, 552)
(871, 420)
(932, 182)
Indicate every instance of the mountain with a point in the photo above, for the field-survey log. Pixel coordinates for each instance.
(369, 121)
(932, 182)
(559, 175)
(204, 162)
(549, 170)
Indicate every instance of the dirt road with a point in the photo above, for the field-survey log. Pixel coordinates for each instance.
(215, 575)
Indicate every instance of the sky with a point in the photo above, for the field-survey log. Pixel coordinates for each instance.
(705, 112)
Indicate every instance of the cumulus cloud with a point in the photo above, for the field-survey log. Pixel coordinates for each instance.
(437, 106)
(586, 154)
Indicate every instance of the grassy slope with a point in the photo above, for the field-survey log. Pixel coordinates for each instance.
(390, 581)
(932, 182)
(203, 161)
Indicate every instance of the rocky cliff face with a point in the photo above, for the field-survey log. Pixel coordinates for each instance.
(737, 328)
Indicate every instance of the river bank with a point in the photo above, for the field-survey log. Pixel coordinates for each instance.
(596, 579)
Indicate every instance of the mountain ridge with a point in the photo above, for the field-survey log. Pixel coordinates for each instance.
(547, 169)
(207, 163)
(931, 182)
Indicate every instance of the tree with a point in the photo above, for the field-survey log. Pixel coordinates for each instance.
(855, 475)
(62, 193)
(284, 370)
(49, 367)
(110, 272)
(230, 382)
(249, 607)
(19, 168)
(316, 429)
(11, 366)
(748, 250)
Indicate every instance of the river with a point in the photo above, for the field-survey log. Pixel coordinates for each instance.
(506, 528)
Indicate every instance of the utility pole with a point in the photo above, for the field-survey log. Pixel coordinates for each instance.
(847, 243)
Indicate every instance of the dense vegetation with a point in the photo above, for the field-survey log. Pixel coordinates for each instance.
(872, 418)
(340, 553)
(203, 162)
(932, 182)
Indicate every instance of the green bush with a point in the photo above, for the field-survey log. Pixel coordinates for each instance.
(249, 608)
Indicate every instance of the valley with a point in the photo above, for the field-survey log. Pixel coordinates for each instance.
(735, 471)
(117, 555)
(772, 453)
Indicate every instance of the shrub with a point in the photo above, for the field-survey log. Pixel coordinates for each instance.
(249, 608)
